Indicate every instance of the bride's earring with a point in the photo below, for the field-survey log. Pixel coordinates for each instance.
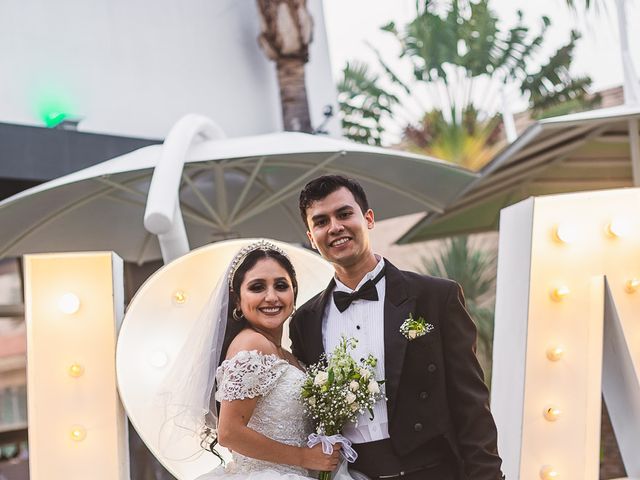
(237, 314)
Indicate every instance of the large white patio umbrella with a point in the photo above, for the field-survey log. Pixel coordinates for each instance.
(593, 150)
(228, 188)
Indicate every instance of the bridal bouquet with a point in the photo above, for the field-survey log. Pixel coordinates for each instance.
(337, 389)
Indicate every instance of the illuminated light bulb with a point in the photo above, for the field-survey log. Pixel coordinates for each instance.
(76, 370)
(78, 433)
(559, 293)
(547, 472)
(617, 228)
(551, 413)
(69, 303)
(564, 233)
(555, 353)
(632, 285)
(159, 359)
(179, 297)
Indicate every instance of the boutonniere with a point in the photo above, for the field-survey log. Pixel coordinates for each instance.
(413, 328)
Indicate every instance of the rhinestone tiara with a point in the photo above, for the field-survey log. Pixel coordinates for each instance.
(240, 257)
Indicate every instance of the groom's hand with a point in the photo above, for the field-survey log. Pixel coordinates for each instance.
(315, 459)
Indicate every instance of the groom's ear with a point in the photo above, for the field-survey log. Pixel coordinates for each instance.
(313, 244)
(370, 219)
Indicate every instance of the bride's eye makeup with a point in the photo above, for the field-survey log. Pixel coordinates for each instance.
(256, 286)
(259, 285)
(282, 285)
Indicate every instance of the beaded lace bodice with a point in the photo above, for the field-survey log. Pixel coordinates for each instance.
(279, 411)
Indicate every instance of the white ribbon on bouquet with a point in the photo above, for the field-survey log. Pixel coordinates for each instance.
(328, 442)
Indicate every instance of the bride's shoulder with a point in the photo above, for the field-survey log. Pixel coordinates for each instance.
(249, 341)
(249, 370)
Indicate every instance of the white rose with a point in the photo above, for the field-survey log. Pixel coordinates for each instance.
(364, 373)
(355, 407)
(321, 378)
(312, 401)
(413, 334)
(350, 398)
(353, 386)
(373, 387)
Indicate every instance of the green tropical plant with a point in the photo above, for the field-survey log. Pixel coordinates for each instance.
(464, 47)
(475, 270)
(459, 59)
(470, 142)
(363, 102)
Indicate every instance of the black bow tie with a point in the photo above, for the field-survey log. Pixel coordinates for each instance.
(367, 291)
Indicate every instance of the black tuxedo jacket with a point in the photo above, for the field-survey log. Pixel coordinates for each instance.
(434, 383)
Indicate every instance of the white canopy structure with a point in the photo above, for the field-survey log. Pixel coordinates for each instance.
(592, 150)
(228, 188)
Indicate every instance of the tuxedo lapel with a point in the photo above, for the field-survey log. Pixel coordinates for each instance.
(314, 332)
(397, 306)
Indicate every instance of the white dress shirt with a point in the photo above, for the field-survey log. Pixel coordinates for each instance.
(364, 321)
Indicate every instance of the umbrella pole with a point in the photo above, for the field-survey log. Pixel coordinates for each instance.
(163, 216)
(174, 243)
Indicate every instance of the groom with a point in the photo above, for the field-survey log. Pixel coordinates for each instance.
(435, 423)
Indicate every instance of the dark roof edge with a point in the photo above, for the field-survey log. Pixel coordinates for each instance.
(39, 128)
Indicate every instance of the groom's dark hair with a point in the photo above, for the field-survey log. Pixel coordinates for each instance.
(323, 186)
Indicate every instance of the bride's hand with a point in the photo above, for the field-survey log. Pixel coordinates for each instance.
(315, 459)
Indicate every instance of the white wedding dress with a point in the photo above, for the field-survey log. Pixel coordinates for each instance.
(279, 413)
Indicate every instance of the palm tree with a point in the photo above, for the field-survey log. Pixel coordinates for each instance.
(363, 102)
(467, 46)
(461, 61)
(474, 270)
(286, 32)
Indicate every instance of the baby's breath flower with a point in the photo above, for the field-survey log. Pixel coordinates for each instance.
(338, 388)
(413, 328)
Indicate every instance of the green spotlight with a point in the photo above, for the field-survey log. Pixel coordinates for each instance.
(53, 103)
(53, 119)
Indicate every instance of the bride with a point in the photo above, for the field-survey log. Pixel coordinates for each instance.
(261, 417)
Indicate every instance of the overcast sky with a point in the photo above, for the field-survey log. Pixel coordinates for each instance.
(352, 23)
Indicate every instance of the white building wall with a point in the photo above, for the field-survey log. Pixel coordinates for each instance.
(133, 67)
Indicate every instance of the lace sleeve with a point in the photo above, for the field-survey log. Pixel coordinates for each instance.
(248, 375)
